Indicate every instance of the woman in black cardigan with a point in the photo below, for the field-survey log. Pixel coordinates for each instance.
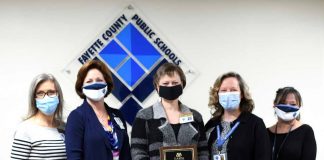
(234, 133)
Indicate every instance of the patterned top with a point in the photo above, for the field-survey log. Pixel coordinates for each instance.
(226, 128)
(250, 141)
(32, 141)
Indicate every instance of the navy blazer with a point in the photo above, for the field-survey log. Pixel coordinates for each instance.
(86, 138)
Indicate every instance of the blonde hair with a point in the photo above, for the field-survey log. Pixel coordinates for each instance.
(246, 104)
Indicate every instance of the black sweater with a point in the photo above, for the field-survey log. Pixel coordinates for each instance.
(249, 141)
(299, 145)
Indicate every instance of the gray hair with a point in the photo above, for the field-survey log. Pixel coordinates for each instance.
(32, 110)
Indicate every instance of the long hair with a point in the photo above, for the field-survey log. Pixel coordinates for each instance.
(246, 104)
(32, 110)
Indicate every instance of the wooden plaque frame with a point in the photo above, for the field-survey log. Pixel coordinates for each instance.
(179, 153)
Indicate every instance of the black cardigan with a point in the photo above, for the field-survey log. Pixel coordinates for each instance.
(250, 141)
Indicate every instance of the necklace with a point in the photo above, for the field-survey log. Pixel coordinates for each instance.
(105, 121)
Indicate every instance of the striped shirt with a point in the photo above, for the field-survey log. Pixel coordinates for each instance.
(32, 141)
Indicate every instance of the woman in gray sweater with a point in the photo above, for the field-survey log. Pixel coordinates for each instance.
(168, 122)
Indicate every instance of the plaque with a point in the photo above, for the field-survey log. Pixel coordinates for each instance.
(179, 153)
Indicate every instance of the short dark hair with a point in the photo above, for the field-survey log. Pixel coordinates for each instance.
(169, 69)
(93, 64)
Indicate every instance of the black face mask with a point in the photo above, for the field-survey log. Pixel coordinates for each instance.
(170, 93)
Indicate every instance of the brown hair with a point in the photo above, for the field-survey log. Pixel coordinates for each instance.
(38, 80)
(93, 64)
(282, 93)
(281, 96)
(168, 69)
(246, 104)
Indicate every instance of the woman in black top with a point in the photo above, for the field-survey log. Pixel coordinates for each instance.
(234, 133)
(290, 139)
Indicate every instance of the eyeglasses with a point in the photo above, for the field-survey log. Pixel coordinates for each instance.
(49, 93)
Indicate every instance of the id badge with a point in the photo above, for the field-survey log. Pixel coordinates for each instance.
(186, 118)
(220, 156)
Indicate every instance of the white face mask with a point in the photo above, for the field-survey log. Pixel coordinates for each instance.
(95, 91)
(287, 112)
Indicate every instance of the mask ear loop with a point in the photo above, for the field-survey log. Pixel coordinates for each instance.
(157, 91)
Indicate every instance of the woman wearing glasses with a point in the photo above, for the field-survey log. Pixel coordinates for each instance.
(41, 136)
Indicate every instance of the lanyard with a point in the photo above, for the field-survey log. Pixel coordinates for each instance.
(220, 141)
(275, 157)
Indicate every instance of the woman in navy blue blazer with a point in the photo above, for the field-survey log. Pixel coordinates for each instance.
(95, 131)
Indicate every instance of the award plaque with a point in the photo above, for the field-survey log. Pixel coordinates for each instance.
(179, 153)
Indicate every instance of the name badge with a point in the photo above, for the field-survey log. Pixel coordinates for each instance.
(186, 118)
(119, 122)
(220, 156)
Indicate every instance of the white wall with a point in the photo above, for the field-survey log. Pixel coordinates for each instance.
(270, 43)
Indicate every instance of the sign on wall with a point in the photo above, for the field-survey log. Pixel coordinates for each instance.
(133, 50)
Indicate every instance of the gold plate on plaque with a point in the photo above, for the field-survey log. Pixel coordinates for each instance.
(179, 153)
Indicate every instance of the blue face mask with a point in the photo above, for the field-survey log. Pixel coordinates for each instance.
(230, 100)
(47, 105)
